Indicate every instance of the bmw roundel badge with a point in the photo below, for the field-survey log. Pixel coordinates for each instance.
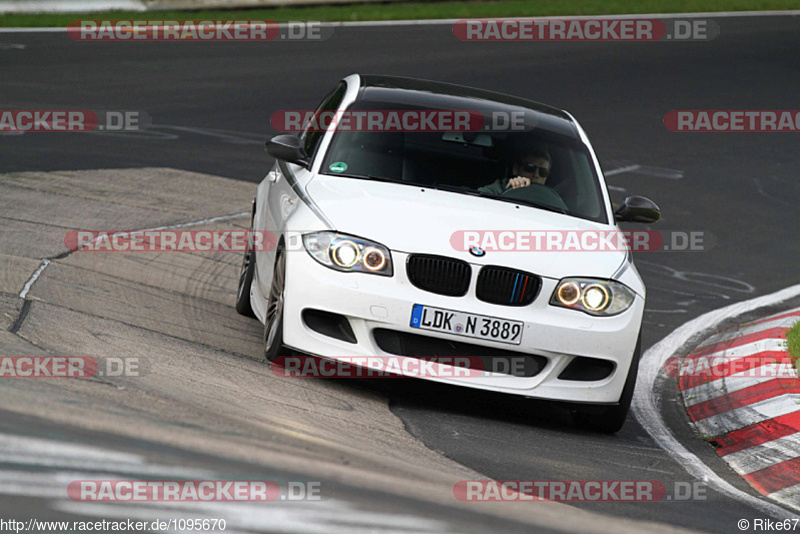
(477, 251)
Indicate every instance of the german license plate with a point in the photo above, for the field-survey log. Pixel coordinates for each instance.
(466, 324)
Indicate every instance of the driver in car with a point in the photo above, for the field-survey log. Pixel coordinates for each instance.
(532, 167)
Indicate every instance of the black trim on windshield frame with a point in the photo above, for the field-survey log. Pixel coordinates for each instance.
(302, 195)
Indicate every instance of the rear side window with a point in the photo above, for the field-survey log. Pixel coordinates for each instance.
(311, 139)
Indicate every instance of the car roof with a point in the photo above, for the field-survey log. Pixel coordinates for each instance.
(441, 95)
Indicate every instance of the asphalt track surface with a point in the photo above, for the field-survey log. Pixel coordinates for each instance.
(211, 103)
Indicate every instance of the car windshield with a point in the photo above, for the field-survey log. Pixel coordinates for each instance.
(473, 163)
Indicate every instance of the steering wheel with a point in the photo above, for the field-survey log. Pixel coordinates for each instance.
(537, 194)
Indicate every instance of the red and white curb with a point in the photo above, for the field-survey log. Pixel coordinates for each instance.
(740, 387)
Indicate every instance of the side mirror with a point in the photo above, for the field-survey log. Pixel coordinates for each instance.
(288, 148)
(637, 209)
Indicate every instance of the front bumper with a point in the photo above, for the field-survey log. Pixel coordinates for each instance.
(370, 302)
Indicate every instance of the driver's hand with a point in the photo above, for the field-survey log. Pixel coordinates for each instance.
(518, 181)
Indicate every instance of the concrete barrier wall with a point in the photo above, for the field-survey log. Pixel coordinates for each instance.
(77, 6)
(226, 4)
(68, 6)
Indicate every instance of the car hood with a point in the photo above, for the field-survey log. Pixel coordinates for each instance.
(415, 219)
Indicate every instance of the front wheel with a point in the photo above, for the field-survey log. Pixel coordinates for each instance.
(610, 419)
(273, 322)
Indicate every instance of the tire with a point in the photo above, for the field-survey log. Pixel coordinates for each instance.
(243, 305)
(610, 419)
(273, 321)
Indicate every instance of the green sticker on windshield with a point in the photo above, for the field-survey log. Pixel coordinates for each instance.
(339, 166)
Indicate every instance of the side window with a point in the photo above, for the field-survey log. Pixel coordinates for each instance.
(331, 102)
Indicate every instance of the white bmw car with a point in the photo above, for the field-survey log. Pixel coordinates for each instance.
(369, 261)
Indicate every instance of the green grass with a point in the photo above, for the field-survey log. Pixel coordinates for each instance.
(419, 10)
(793, 342)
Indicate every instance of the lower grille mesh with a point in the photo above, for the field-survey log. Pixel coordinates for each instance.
(494, 359)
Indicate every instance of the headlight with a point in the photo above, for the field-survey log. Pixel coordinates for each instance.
(595, 297)
(347, 253)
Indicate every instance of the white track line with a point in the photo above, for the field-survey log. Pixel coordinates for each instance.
(27, 287)
(67, 462)
(647, 396)
(621, 170)
(435, 22)
(195, 223)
